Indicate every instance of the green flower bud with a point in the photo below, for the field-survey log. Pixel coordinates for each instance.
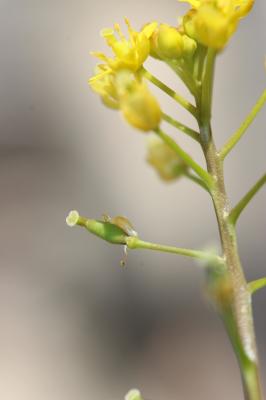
(105, 230)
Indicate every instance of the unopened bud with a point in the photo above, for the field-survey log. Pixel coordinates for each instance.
(189, 46)
(169, 42)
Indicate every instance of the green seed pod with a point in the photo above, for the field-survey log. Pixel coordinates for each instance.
(105, 230)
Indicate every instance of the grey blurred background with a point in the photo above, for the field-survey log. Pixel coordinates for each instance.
(73, 324)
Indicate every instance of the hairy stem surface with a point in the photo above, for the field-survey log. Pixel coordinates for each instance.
(231, 294)
(237, 312)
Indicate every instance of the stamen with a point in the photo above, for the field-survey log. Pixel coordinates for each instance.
(132, 33)
(120, 33)
(99, 55)
(107, 32)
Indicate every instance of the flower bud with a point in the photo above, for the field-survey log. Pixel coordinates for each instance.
(189, 46)
(169, 42)
(138, 106)
(164, 160)
(166, 43)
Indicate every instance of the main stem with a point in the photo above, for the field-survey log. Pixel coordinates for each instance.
(236, 311)
(240, 327)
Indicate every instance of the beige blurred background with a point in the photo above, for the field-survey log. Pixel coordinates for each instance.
(73, 324)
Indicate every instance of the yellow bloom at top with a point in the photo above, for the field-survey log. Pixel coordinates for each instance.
(129, 53)
(212, 22)
(238, 8)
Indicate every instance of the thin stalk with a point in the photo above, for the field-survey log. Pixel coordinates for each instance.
(170, 92)
(185, 76)
(205, 102)
(237, 210)
(183, 128)
(256, 285)
(196, 180)
(240, 132)
(204, 175)
(136, 243)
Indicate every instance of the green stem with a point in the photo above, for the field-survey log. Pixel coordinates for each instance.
(178, 98)
(188, 131)
(237, 210)
(241, 326)
(240, 132)
(185, 76)
(196, 180)
(204, 175)
(199, 62)
(234, 302)
(205, 102)
(136, 243)
(256, 285)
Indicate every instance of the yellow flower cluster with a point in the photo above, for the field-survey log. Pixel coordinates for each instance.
(117, 80)
(212, 22)
(128, 54)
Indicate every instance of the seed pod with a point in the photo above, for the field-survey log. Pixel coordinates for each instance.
(105, 230)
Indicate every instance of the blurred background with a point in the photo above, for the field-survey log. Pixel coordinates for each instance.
(73, 324)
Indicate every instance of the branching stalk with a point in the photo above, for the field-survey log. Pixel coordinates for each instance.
(204, 175)
(183, 128)
(136, 243)
(237, 210)
(196, 180)
(240, 132)
(254, 286)
(170, 92)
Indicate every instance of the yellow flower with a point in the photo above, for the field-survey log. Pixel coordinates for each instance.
(124, 91)
(128, 54)
(139, 107)
(164, 160)
(212, 22)
(103, 83)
